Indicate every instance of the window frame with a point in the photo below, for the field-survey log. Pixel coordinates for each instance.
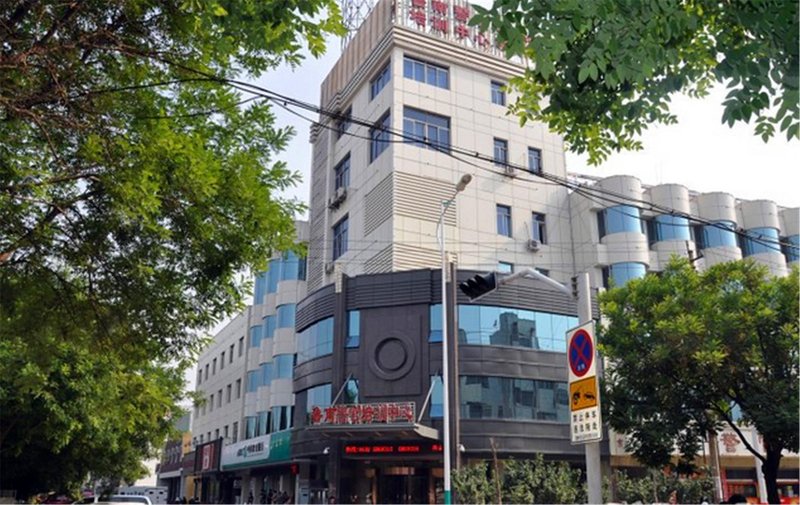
(379, 136)
(344, 122)
(427, 67)
(538, 169)
(341, 173)
(539, 227)
(339, 231)
(498, 93)
(413, 118)
(500, 147)
(507, 221)
(381, 79)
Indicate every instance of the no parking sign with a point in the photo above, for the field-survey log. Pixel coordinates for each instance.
(585, 422)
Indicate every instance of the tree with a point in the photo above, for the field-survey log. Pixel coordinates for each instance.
(600, 72)
(685, 347)
(137, 185)
(658, 487)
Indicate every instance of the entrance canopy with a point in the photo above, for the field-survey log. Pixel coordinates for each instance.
(404, 431)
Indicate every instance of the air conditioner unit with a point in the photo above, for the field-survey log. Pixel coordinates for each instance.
(329, 267)
(509, 171)
(533, 245)
(337, 197)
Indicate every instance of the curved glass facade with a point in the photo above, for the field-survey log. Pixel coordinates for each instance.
(619, 219)
(293, 267)
(792, 249)
(285, 315)
(256, 332)
(517, 399)
(666, 227)
(270, 322)
(290, 267)
(315, 341)
(260, 288)
(282, 365)
(318, 396)
(760, 240)
(488, 325)
(266, 373)
(253, 380)
(282, 417)
(619, 274)
(273, 275)
(719, 234)
(262, 424)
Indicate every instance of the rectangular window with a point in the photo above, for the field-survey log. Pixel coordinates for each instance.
(538, 228)
(230, 354)
(253, 381)
(199, 377)
(340, 238)
(426, 129)
(241, 346)
(235, 431)
(379, 137)
(437, 397)
(214, 366)
(238, 388)
(543, 271)
(353, 329)
(206, 377)
(228, 389)
(534, 160)
(380, 80)
(342, 173)
(504, 220)
(211, 404)
(501, 152)
(225, 430)
(422, 71)
(504, 267)
(498, 94)
(344, 122)
(222, 361)
(219, 398)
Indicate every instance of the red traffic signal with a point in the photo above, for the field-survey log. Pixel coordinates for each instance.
(479, 285)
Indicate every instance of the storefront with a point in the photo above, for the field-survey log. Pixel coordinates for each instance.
(208, 478)
(260, 468)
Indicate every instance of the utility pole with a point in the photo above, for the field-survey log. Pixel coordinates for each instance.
(594, 481)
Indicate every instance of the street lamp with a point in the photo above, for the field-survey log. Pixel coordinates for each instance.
(462, 183)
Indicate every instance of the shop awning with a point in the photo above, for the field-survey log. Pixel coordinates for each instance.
(376, 431)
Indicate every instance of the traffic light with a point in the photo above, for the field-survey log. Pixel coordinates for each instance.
(479, 285)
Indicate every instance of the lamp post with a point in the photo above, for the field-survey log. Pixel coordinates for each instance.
(465, 179)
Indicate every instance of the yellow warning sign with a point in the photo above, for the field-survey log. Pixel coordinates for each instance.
(583, 394)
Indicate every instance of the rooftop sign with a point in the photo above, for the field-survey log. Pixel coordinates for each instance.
(368, 413)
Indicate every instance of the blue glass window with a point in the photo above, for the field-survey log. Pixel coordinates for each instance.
(792, 249)
(350, 393)
(270, 323)
(261, 288)
(285, 315)
(501, 152)
(250, 427)
(719, 234)
(619, 274)
(426, 127)
(340, 237)
(273, 275)
(619, 219)
(504, 220)
(498, 94)
(534, 160)
(429, 73)
(504, 267)
(341, 173)
(380, 81)
(318, 396)
(435, 323)
(343, 122)
(282, 365)
(539, 227)
(293, 267)
(519, 399)
(315, 341)
(437, 397)
(253, 381)
(666, 227)
(266, 373)
(262, 425)
(282, 418)
(353, 329)
(760, 240)
(490, 325)
(256, 333)
(379, 137)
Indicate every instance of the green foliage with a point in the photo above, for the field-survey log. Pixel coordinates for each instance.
(685, 346)
(658, 487)
(600, 72)
(521, 481)
(136, 187)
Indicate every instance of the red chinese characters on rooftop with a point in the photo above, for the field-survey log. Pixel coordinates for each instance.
(417, 12)
(371, 413)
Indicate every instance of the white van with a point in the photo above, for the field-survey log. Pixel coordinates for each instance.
(156, 494)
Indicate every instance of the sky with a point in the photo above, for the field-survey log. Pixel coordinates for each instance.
(698, 152)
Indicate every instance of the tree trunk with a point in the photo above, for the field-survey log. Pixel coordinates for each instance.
(770, 468)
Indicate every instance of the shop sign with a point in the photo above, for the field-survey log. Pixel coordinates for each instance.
(393, 449)
(206, 457)
(447, 19)
(259, 450)
(368, 413)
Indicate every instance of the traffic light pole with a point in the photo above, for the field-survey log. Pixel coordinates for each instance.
(592, 449)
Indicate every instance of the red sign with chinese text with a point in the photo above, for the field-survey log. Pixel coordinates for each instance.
(370, 413)
(392, 449)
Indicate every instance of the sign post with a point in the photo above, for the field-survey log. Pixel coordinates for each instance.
(585, 423)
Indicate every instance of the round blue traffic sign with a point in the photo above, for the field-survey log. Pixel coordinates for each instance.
(580, 353)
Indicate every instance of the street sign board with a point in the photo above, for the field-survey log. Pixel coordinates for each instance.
(585, 420)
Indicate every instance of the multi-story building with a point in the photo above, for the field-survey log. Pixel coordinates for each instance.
(420, 101)
(245, 377)
(170, 469)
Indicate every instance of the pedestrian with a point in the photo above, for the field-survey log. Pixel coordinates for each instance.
(250, 498)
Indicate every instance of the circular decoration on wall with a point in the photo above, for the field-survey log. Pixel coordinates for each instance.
(393, 357)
